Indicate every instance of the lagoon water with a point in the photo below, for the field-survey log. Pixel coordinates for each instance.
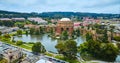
(47, 41)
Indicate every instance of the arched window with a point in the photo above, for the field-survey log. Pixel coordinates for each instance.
(62, 29)
(67, 29)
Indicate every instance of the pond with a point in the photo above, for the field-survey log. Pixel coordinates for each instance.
(47, 41)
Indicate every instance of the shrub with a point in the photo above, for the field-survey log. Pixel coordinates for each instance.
(19, 42)
(6, 36)
(117, 38)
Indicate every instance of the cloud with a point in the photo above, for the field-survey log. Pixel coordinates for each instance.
(104, 3)
(97, 6)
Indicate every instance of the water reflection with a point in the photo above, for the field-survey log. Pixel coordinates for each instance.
(118, 58)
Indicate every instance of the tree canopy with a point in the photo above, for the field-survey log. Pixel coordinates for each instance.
(38, 48)
(104, 51)
(68, 48)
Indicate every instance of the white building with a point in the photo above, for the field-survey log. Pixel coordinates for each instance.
(38, 20)
(5, 19)
(18, 19)
(8, 29)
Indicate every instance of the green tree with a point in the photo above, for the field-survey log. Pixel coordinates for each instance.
(71, 51)
(26, 32)
(65, 35)
(6, 36)
(0, 33)
(32, 31)
(97, 26)
(117, 38)
(60, 47)
(51, 31)
(3, 60)
(19, 24)
(110, 52)
(88, 37)
(67, 50)
(118, 45)
(19, 32)
(103, 51)
(19, 43)
(105, 36)
(41, 30)
(37, 32)
(38, 48)
(78, 32)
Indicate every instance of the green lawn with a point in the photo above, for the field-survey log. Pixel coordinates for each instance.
(25, 46)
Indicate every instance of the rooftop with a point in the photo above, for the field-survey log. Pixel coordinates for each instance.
(65, 19)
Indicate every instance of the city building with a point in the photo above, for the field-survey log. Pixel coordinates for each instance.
(4, 29)
(38, 20)
(12, 55)
(54, 20)
(87, 21)
(5, 19)
(18, 19)
(77, 24)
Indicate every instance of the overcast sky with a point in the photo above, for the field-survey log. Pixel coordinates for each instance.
(93, 6)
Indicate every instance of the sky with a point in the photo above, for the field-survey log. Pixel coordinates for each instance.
(92, 6)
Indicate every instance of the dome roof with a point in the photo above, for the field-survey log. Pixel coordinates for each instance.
(65, 19)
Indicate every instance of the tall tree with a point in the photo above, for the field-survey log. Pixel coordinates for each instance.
(88, 37)
(37, 32)
(38, 48)
(0, 33)
(26, 32)
(41, 30)
(65, 35)
(67, 48)
(19, 32)
(71, 51)
(103, 51)
(32, 30)
(78, 32)
(105, 36)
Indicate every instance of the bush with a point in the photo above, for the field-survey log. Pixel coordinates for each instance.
(30, 42)
(0, 33)
(38, 48)
(3, 61)
(19, 43)
(19, 32)
(6, 36)
(118, 45)
(4, 39)
(117, 38)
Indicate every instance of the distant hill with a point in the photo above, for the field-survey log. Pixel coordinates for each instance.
(78, 15)
(9, 14)
(49, 15)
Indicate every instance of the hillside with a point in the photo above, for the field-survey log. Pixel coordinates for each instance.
(78, 15)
